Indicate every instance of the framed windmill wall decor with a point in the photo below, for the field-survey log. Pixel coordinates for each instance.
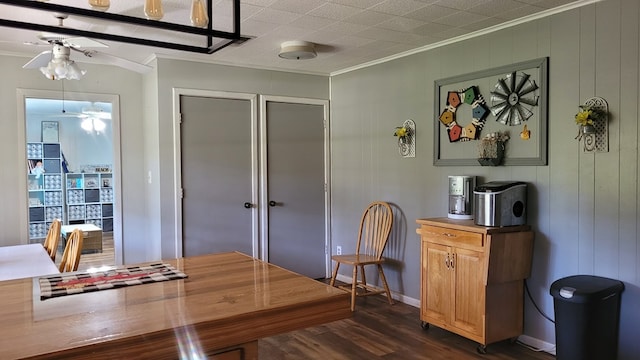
(509, 99)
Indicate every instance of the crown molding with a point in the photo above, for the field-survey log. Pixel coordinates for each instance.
(471, 35)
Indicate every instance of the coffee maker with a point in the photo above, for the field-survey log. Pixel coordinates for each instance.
(461, 197)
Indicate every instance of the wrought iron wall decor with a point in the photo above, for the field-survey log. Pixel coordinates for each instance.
(223, 38)
(595, 136)
(519, 97)
(406, 138)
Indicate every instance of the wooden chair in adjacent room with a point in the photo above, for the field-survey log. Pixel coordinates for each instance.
(375, 227)
(72, 251)
(53, 237)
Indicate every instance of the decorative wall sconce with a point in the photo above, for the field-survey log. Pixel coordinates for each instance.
(593, 121)
(406, 138)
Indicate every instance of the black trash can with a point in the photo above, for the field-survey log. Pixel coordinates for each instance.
(587, 313)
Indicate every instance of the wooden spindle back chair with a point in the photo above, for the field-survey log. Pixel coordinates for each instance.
(72, 251)
(375, 227)
(53, 237)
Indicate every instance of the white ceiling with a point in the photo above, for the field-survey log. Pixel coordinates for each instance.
(347, 33)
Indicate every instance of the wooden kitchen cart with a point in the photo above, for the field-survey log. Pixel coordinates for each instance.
(472, 278)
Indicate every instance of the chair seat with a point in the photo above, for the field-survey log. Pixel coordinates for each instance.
(357, 259)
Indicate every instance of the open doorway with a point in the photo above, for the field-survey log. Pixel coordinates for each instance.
(73, 170)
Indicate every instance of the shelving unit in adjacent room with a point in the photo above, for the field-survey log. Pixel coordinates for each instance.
(45, 186)
(90, 199)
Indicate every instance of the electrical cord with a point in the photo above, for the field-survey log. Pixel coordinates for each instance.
(526, 287)
(551, 350)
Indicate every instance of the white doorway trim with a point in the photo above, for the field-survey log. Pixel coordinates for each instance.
(264, 201)
(177, 118)
(22, 95)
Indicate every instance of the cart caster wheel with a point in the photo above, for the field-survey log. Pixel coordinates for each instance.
(424, 325)
(482, 349)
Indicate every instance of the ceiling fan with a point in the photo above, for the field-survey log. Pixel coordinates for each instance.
(78, 109)
(94, 111)
(56, 63)
(93, 117)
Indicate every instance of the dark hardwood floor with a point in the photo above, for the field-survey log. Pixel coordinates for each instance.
(378, 330)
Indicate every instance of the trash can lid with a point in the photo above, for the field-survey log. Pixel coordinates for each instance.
(585, 288)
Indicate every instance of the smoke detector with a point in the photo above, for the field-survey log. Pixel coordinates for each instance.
(297, 50)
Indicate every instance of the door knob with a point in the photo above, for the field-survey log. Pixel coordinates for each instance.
(272, 203)
(248, 205)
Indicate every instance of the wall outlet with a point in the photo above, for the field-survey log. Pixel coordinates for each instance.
(338, 250)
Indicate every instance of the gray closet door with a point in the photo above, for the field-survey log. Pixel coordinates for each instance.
(295, 180)
(216, 175)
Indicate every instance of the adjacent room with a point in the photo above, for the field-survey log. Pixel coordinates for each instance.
(224, 178)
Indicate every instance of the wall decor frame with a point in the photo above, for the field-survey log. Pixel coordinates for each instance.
(530, 152)
(50, 132)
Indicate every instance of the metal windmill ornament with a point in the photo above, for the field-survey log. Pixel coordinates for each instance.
(513, 98)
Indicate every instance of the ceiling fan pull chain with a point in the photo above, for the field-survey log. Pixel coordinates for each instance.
(63, 110)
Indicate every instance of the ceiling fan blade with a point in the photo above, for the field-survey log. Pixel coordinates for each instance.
(74, 42)
(64, 115)
(103, 116)
(40, 60)
(83, 42)
(94, 112)
(117, 61)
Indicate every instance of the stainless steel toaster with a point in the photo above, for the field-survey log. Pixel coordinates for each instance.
(500, 203)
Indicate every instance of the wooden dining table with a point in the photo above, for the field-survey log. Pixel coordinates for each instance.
(227, 302)
(25, 261)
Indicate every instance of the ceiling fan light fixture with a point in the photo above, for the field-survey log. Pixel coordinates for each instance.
(87, 125)
(61, 67)
(297, 50)
(92, 124)
(153, 9)
(199, 16)
(100, 5)
(73, 71)
(99, 125)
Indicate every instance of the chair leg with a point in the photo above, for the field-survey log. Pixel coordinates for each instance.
(384, 282)
(335, 274)
(354, 288)
(363, 277)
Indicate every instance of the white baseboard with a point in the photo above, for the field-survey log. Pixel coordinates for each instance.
(537, 344)
(528, 341)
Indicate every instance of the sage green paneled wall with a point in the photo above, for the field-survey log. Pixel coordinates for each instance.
(150, 142)
(583, 207)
